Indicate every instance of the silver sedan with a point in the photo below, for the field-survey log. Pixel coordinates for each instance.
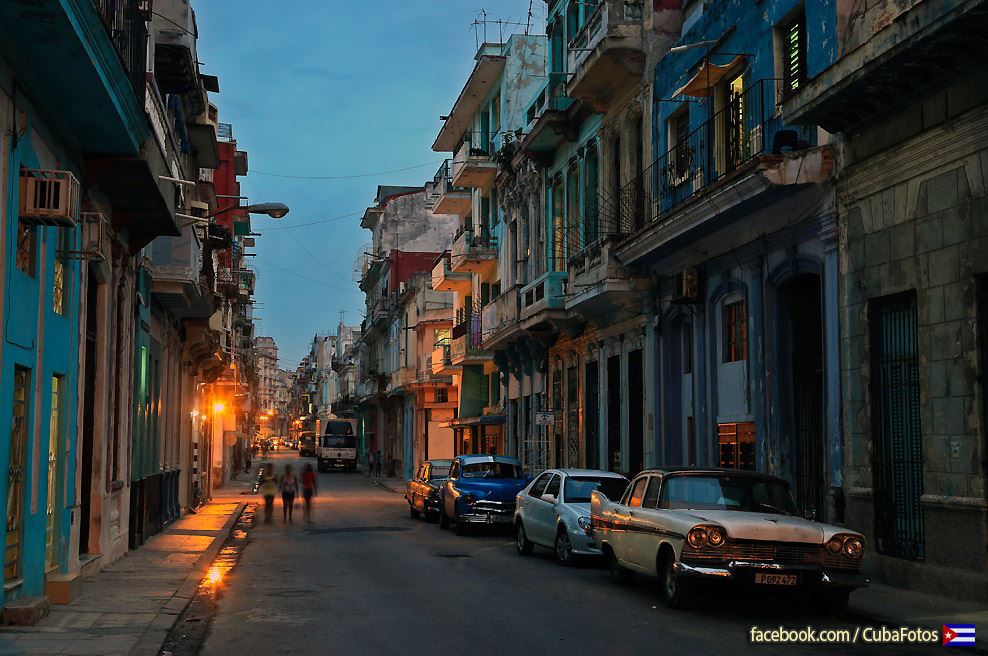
(554, 511)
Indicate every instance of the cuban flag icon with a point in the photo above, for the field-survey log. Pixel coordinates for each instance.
(958, 635)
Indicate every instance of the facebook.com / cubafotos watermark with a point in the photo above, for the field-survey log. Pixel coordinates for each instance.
(878, 635)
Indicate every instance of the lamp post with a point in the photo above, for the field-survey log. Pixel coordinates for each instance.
(273, 210)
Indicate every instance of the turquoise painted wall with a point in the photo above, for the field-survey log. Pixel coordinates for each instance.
(39, 339)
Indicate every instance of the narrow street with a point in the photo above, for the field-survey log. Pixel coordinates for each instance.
(364, 578)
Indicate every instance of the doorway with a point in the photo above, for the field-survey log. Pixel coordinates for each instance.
(614, 413)
(636, 411)
(88, 413)
(803, 318)
(591, 392)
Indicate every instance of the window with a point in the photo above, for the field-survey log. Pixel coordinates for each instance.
(553, 486)
(652, 492)
(558, 229)
(27, 247)
(679, 137)
(539, 487)
(897, 436)
(441, 395)
(60, 278)
(638, 492)
(734, 335)
(496, 112)
(792, 36)
(736, 445)
(591, 175)
(572, 211)
(55, 429)
(573, 19)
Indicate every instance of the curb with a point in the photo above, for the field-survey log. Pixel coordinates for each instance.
(154, 637)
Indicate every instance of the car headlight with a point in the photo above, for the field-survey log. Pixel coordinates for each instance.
(697, 537)
(835, 544)
(585, 524)
(715, 537)
(468, 499)
(853, 547)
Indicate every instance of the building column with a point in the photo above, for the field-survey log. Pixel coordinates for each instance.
(831, 372)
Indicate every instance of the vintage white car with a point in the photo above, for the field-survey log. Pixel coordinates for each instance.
(691, 527)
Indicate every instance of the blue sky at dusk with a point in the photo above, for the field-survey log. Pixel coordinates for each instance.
(330, 88)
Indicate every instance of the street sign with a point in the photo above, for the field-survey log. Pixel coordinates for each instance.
(544, 418)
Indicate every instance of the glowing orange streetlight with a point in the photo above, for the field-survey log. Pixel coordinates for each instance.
(219, 407)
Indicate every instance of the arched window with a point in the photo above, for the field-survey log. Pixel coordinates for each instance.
(558, 229)
(573, 22)
(591, 207)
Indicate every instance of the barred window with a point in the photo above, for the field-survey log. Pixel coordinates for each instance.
(734, 334)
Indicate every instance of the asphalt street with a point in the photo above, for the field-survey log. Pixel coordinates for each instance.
(365, 578)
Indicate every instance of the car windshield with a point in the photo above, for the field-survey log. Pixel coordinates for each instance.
(492, 470)
(438, 472)
(725, 492)
(338, 441)
(578, 488)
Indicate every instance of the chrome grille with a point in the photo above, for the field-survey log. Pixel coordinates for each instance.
(782, 553)
(500, 507)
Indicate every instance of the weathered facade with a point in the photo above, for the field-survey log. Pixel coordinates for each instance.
(911, 211)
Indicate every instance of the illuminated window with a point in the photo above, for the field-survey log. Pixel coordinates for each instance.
(734, 332)
(793, 39)
(55, 428)
(736, 445)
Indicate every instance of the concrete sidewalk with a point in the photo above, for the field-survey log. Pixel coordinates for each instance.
(129, 606)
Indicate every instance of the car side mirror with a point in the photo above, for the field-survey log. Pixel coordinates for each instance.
(549, 498)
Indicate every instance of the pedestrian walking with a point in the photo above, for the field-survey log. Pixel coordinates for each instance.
(288, 487)
(246, 460)
(269, 486)
(308, 489)
(377, 463)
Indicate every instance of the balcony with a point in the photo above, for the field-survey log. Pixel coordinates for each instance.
(466, 343)
(174, 26)
(177, 264)
(85, 49)
(894, 52)
(545, 293)
(552, 118)
(474, 252)
(401, 378)
(606, 58)
(444, 279)
(472, 163)
(740, 159)
(499, 320)
(441, 358)
(450, 199)
(428, 378)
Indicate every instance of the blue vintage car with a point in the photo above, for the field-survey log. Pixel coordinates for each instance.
(481, 490)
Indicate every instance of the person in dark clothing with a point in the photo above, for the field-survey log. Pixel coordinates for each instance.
(288, 487)
(308, 489)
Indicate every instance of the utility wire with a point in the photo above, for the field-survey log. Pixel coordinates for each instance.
(310, 223)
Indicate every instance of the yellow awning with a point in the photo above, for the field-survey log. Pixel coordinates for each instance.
(701, 85)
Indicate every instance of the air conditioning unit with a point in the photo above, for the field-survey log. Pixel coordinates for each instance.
(402, 286)
(687, 285)
(49, 198)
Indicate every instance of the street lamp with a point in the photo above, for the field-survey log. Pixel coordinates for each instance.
(273, 210)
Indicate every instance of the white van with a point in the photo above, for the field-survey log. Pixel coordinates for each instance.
(337, 448)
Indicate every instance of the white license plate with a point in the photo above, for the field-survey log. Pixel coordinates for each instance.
(776, 579)
(498, 519)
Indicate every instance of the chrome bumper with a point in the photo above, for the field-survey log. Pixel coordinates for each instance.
(736, 569)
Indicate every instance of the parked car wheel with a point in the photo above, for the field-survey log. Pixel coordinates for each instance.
(675, 593)
(522, 543)
(462, 528)
(619, 573)
(832, 602)
(563, 548)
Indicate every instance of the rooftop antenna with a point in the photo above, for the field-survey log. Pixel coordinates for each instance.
(528, 25)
